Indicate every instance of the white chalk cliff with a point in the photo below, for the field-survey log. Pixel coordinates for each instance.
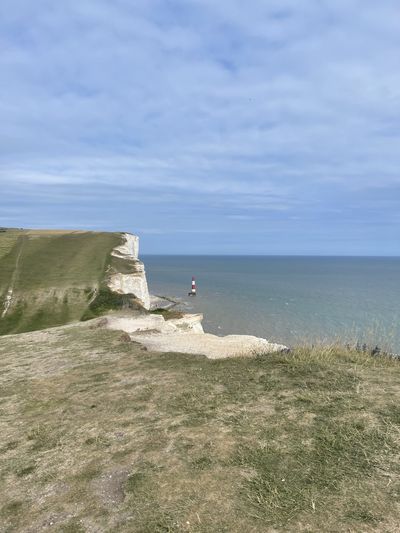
(134, 282)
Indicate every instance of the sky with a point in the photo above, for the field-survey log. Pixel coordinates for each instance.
(203, 126)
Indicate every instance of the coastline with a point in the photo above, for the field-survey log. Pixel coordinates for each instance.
(289, 300)
(162, 332)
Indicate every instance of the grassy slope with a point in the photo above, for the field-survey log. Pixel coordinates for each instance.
(53, 275)
(99, 435)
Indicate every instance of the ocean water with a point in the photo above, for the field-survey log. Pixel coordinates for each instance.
(287, 299)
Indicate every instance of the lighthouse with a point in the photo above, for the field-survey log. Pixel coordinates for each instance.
(193, 291)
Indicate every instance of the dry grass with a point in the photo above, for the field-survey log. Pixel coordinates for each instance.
(100, 435)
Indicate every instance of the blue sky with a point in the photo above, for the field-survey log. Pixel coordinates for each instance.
(260, 127)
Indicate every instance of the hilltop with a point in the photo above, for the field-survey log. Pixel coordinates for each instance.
(53, 277)
(100, 434)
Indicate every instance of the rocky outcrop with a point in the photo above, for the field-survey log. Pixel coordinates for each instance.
(133, 281)
(186, 335)
(156, 324)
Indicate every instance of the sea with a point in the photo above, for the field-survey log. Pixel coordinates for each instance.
(290, 300)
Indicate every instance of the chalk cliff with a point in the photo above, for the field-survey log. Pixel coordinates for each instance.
(134, 280)
(54, 277)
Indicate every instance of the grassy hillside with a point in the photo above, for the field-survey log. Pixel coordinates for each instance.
(53, 275)
(100, 435)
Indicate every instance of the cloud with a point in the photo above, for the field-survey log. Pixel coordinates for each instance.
(203, 110)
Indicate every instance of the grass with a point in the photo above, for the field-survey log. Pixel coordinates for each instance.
(107, 300)
(8, 239)
(168, 314)
(53, 275)
(99, 434)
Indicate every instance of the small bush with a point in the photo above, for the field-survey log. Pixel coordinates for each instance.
(107, 300)
(168, 314)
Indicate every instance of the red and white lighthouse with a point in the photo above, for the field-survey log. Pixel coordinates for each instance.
(193, 291)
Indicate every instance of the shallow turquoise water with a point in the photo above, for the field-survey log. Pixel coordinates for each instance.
(287, 299)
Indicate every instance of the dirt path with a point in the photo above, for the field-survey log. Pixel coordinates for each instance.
(8, 299)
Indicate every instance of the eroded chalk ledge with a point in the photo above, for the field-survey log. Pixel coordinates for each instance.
(186, 335)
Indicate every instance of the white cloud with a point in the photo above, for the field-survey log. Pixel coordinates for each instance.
(277, 105)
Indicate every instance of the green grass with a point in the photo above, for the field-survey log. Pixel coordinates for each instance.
(8, 239)
(168, 314)
(59, 260)
(53, 275)
(110, 437)
(107, 300)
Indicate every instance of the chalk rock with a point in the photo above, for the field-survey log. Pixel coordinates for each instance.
(186, 335)
(134, 282)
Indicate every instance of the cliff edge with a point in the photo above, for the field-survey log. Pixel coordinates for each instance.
(127, 274)
(53, 277)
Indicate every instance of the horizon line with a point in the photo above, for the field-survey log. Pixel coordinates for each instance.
(271, 255)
